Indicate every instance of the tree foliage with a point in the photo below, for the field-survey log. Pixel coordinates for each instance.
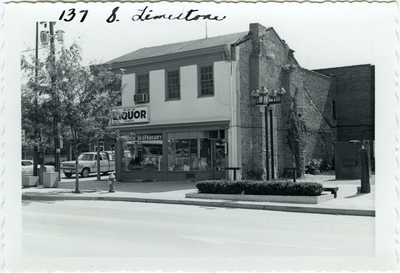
(78, 98)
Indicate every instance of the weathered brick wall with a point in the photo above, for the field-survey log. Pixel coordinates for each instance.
(319, 121)
(245, 131)
(261, 63)
(266, 60)
(355, 101)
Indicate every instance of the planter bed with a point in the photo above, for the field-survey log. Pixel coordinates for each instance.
(30, 181)
(264, 198)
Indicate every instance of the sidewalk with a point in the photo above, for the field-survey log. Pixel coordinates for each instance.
(348, 201)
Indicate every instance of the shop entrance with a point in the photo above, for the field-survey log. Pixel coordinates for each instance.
(218, 150)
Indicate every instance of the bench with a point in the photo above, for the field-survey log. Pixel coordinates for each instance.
(293, 170)
(332, 190)
(234, 171)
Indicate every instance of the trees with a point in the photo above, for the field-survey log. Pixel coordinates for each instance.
(61, 99)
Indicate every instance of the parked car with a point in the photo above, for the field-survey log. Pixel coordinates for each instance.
(27, 167)
(88, 164)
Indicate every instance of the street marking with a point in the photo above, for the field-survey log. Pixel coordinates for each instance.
(219, 241)
(46, 236)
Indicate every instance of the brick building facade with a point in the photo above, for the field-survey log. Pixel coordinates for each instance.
(224, 127)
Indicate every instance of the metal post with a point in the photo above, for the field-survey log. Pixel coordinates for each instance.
(271, 119)
(365, 185)
(76, 169)
(98, 160)
(266, 142)
(58, 167)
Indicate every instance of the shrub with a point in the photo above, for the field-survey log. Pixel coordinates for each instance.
(255, 172)
(313, 167)
(260, 188)
(316, 166)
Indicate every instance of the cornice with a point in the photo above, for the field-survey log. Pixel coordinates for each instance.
(172, 56)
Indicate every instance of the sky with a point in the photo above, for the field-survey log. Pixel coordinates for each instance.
(322, 35)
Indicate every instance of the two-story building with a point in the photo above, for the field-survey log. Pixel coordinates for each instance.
(189, 111)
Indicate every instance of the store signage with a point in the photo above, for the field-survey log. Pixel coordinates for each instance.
(130, 115)
(147, 137)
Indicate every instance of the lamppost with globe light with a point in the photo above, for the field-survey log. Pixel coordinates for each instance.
(265, 97)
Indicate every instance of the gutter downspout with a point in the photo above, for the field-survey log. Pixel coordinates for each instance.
(233, 134)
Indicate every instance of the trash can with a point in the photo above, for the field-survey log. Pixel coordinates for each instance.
(41, 171)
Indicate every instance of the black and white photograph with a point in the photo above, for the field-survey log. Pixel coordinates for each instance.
(183, 136)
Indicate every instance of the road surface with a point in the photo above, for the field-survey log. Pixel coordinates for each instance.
(124, 229)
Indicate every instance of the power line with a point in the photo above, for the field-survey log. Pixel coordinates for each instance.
(97, 41)
(117, 35)
(105, 38)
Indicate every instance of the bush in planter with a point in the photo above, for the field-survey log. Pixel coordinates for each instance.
(260, 188)
(255, 172)
(313, 167)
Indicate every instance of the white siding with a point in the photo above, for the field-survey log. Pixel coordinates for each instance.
(128, 85)
(157, 94)
(190, 108)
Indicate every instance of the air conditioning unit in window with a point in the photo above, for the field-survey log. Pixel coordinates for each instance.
(141, 98)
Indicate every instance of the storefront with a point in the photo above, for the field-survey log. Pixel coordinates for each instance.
(179, 152)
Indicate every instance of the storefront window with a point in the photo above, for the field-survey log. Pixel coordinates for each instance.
(189, 151)
(143, 153)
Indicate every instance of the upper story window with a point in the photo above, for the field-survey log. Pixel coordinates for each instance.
(173, 85)
(142, 88)
(206, 81)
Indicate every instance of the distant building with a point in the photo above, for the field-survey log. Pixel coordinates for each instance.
(192, 113)
(354, 101)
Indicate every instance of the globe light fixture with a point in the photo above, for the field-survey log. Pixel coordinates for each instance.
(267, 97)
(60, 35)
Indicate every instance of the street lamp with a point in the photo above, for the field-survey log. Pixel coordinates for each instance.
(265, 97)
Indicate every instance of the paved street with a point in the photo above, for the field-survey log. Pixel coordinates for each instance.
(124, 229)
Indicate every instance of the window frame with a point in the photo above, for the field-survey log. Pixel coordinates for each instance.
(199, 92)
(167, 93)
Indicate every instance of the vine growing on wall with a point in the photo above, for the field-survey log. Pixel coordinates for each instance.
(295, 137)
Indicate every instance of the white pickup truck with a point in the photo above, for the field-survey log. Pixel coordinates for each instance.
(87, 163)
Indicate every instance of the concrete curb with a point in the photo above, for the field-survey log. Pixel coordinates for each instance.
(263, 198)
(351, 212)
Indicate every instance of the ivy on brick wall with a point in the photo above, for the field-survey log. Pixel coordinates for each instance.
(295, 138)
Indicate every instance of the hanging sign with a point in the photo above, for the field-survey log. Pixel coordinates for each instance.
(130, 115)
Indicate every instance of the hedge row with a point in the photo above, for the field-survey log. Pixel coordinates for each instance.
(260, 188)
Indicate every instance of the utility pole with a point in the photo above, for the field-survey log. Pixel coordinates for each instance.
(35, 147)
(55, 118)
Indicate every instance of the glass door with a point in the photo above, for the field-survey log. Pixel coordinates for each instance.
(219, 160)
